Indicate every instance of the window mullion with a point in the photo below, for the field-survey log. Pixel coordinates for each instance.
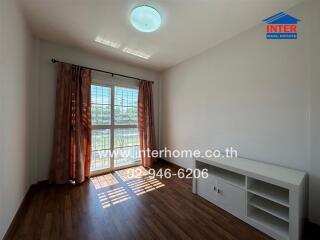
(125, 126)
(112, 127)
(101, 126)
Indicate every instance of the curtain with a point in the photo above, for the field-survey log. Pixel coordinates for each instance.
(71, 153)
(146, 122)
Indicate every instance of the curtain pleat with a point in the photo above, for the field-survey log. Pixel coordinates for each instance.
(71, 153)
(146, 122)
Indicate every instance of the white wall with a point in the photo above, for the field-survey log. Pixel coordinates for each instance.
(251, 94)
(47, 79)
(314, 173)
(16, 57)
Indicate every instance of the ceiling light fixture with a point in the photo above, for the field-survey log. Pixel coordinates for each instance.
(145, 19)
(107, 42)
(136, 53)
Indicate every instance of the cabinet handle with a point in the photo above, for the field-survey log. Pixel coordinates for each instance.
(219, 191)
(214, 188)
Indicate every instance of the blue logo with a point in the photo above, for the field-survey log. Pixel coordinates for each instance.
(281, 26)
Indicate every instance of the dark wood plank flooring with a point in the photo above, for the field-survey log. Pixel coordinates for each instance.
(111, 207)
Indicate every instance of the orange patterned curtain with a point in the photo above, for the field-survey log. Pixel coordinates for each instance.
(71, 153)
(146, 122)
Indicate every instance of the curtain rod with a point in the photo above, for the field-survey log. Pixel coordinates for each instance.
(98, 70)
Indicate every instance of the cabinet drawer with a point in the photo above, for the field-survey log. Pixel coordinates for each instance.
(231, 198)
(205, 188)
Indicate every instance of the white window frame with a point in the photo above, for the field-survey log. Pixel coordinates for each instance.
(112, 83)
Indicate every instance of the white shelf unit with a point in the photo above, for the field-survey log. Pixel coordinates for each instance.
(228, 176)
(269, 191)
(275, 224)
(273, 208)
(268, 197)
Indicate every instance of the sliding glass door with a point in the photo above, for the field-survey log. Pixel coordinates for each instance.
(126, 136)
(115, 137)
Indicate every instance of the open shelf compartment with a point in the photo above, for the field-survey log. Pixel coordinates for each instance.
(269, 191)
(275, 224)
(268, 206)
(228, 176)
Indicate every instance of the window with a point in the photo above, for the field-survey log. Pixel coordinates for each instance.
(125, 107)
(101, 105)
(115, 136)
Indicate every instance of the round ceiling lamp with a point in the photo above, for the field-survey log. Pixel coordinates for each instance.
(145, 19)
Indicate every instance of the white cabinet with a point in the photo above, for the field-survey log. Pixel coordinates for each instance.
(207, 188)
(268, 197)
(231, 198)
(222, 193)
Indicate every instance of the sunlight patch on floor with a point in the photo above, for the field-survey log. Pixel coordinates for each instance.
(137, 180)
(113, 197)
(144, 184)
(104, 181)
(132, 173)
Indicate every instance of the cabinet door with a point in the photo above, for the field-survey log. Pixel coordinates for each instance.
(230, 197)
(205, 188)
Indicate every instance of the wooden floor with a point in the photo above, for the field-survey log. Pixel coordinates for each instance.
(114, 206)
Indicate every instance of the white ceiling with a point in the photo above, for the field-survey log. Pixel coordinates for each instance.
(189, 26)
